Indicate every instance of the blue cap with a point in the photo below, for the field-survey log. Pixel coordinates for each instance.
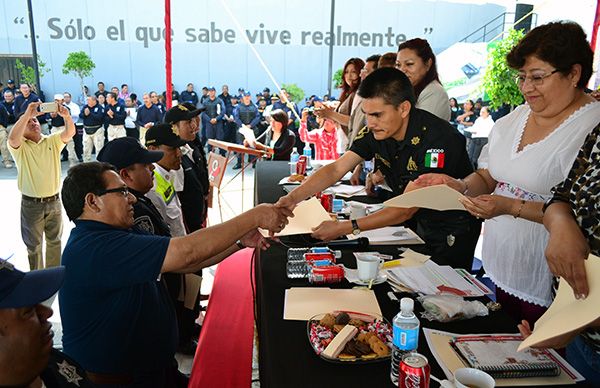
(10, 81)
(247, 94)
(127, 151)
(212, 88)
(317, 98)
(25, 289)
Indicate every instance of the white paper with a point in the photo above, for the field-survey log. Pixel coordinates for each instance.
(345, 191)
(389, 235)
(248, 134)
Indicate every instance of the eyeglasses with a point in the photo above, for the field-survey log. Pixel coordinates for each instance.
(123, 190)
(535, 79)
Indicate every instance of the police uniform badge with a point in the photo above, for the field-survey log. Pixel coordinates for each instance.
(144, 223)
(435, 158)
(69, 372)
(411, 165)
(415, 140)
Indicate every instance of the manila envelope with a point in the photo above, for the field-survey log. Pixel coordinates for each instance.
(307, 215)
(567, 313)
(438, 197)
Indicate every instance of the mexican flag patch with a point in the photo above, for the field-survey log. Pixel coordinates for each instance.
(434, 159)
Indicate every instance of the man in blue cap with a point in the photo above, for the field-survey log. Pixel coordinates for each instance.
(27, 358)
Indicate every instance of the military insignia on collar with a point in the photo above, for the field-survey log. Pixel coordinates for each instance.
(69, 372)
(175, 129)
(181, 107)
(411, 166)
(450, 239)
(435, 158)
(415, 140)
(362, 133)
(4, 264)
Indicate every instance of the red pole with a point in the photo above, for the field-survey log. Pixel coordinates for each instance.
(168, 69)
(596, 25)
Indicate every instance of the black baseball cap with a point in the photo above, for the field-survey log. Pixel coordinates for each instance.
(127, 151)
(10, 81)
(266, 90)
(185, 111)
(24, 289)
(164, 134)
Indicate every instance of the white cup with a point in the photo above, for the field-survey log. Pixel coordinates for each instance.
(473, 378)
(368, 267)
(357, 211)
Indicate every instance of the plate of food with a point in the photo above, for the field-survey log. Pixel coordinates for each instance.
(344, 336)
(294, 179)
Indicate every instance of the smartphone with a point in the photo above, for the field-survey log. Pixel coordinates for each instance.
(49, 107)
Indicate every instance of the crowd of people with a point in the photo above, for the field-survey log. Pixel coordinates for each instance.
(140, 239)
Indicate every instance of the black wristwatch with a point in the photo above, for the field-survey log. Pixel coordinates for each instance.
(355, 228)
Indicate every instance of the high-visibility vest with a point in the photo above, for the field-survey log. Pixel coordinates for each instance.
(164, 188)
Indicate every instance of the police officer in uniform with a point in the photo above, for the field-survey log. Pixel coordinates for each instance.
(115, 117)
(189, 95)
(246, 114)
(93, 130)
(26, 356)
(407, 142)
(212, 117)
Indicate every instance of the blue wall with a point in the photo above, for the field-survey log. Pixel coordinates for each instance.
(129, 55)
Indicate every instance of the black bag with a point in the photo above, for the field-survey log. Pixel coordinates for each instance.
(91, 130)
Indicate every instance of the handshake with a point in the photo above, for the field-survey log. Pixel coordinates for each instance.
(271, 217)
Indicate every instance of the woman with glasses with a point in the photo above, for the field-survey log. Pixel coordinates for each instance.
(416, 59)
(529, 151)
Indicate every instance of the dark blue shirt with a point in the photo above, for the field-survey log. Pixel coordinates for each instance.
(147, 115)
(95, 118)
(246, 114)
(119, 114)
(117, 318)
(10, 108)
(21, 103)
(190, 97)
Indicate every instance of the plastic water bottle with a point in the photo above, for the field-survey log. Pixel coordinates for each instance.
(406, 335)
(294, 156)
(308, 153)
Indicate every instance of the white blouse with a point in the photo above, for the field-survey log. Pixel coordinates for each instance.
(513, 249)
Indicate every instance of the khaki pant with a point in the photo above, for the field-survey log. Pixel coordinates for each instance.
(70, 146)
(143, 135)
(91, 141)
(116, 131)
(6, 158)
(41, 219)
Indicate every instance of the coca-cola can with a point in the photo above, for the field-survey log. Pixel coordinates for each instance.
(301, 165)
(326, 274)
(327, 200)
(414, 371)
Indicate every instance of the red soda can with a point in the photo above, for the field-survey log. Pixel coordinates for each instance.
(327, 200)
(326, 274)
(310, 257)
(414, 371)
(301, 165)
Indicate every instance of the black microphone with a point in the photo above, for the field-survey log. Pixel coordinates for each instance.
(359, 243)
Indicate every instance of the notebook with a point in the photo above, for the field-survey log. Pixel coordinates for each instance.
(498, 356)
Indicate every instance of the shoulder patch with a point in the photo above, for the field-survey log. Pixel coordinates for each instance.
(362, 133)
(144, 223)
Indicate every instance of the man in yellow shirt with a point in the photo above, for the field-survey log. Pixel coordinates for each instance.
(37, 158)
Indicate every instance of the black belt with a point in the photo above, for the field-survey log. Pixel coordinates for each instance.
(51, 198)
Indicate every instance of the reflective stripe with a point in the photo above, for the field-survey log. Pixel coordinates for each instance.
(164, 188)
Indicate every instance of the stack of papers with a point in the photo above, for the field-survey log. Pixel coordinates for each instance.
(347, 191)
(433, 279)
(390, 235)
(303, 303)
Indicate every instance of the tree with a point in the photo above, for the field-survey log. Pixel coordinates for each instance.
(80, 64)
(295, 92)
(499, 79)
(27, 73)
(337, 78)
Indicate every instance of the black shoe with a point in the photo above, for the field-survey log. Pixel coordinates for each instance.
(237, 166)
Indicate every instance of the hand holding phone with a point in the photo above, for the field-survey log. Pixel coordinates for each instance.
(48, 107)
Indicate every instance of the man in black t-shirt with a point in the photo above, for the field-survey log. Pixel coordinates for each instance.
(406, 142)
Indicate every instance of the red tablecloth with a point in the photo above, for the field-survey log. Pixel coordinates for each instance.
(224, 355)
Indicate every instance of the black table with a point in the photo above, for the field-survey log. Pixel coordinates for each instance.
(286, 358)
